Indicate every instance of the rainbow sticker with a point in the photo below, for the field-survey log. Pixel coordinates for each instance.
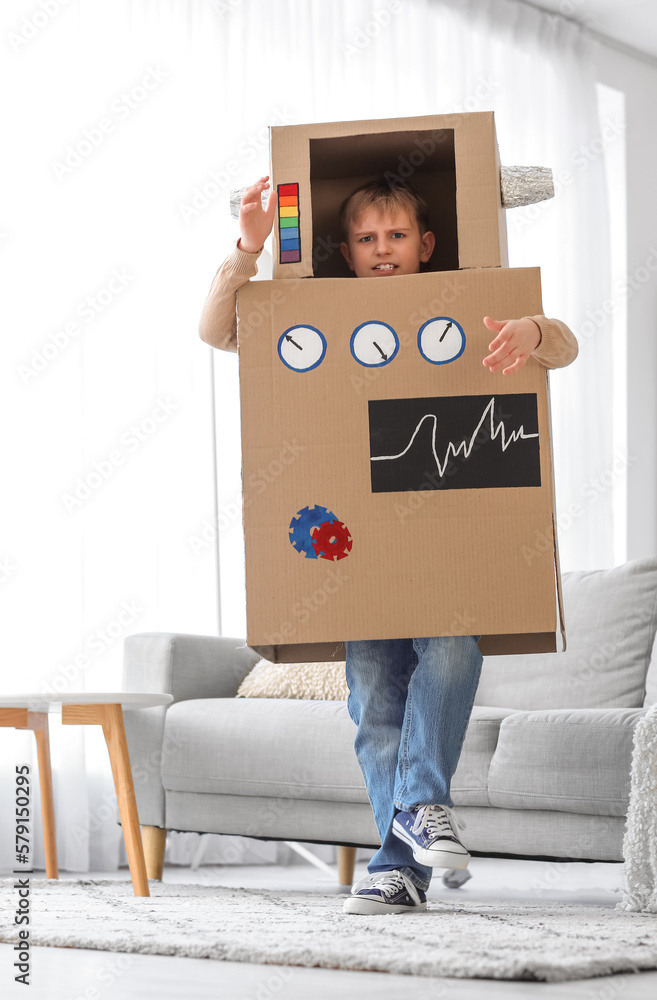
(288, 223)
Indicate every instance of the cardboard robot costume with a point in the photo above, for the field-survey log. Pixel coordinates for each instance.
(417, 485)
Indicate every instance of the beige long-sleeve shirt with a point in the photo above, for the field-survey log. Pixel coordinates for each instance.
(558, 346)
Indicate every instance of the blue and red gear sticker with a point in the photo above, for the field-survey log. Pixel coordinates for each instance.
(318, 533)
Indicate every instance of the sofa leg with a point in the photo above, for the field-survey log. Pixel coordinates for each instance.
(346, 862)
(154, 840)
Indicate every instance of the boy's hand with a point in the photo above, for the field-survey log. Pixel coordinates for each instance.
(515, 341)
(256, 223)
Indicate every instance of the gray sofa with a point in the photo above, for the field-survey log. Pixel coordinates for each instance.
(544, 770)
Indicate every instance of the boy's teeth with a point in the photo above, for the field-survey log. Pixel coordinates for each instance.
(384, 267)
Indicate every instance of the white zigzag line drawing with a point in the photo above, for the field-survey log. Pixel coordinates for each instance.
(467, 448)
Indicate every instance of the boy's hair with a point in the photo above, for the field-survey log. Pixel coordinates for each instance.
(385, 196)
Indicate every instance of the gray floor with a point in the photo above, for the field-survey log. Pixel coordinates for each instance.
(66, 974)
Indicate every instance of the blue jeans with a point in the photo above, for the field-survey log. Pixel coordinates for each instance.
(411, 700)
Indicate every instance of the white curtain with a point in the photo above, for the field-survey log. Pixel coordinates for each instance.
(128, 125)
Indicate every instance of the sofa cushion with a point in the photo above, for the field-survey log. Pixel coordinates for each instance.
(263, 746)
(470, 780)
(569, 760)
(303, 749)
(611, 616)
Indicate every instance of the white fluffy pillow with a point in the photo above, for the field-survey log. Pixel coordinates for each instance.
(315, 681)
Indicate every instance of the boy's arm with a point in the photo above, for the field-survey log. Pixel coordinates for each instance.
(558, 345)
(218, 325)
(548, 340)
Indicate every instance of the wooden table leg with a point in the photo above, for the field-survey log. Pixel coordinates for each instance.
(38, 722)
(110, 717)
(22, 718)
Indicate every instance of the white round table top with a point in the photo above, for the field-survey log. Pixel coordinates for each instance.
(40, 702)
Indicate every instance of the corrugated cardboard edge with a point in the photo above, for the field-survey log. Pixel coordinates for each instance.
(557, 573)
(501, 210)
(324, 652)
(555, 540)
(304, 267)
(313, 652)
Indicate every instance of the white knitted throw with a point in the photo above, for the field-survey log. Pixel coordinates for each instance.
(639, 888)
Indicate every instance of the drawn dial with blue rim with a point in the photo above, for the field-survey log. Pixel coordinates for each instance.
(374, 344)
(441, 340)
(302, 347)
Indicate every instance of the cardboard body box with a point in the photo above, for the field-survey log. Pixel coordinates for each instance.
(392, 486)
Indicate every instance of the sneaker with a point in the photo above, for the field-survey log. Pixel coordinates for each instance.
(385, 892)
(432, 832)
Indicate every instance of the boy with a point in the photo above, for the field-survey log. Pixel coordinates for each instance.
(411, 699)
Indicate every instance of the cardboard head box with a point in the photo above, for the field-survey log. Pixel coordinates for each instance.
(451, 160)
(392, 485)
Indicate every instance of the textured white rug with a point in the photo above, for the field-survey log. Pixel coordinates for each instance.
(472, 939)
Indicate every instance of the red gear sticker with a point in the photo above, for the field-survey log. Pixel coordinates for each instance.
(331, 540)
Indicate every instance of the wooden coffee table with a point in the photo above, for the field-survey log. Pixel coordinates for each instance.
(30, 711)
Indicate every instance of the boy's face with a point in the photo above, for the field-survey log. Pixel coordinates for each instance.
(384, 244)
